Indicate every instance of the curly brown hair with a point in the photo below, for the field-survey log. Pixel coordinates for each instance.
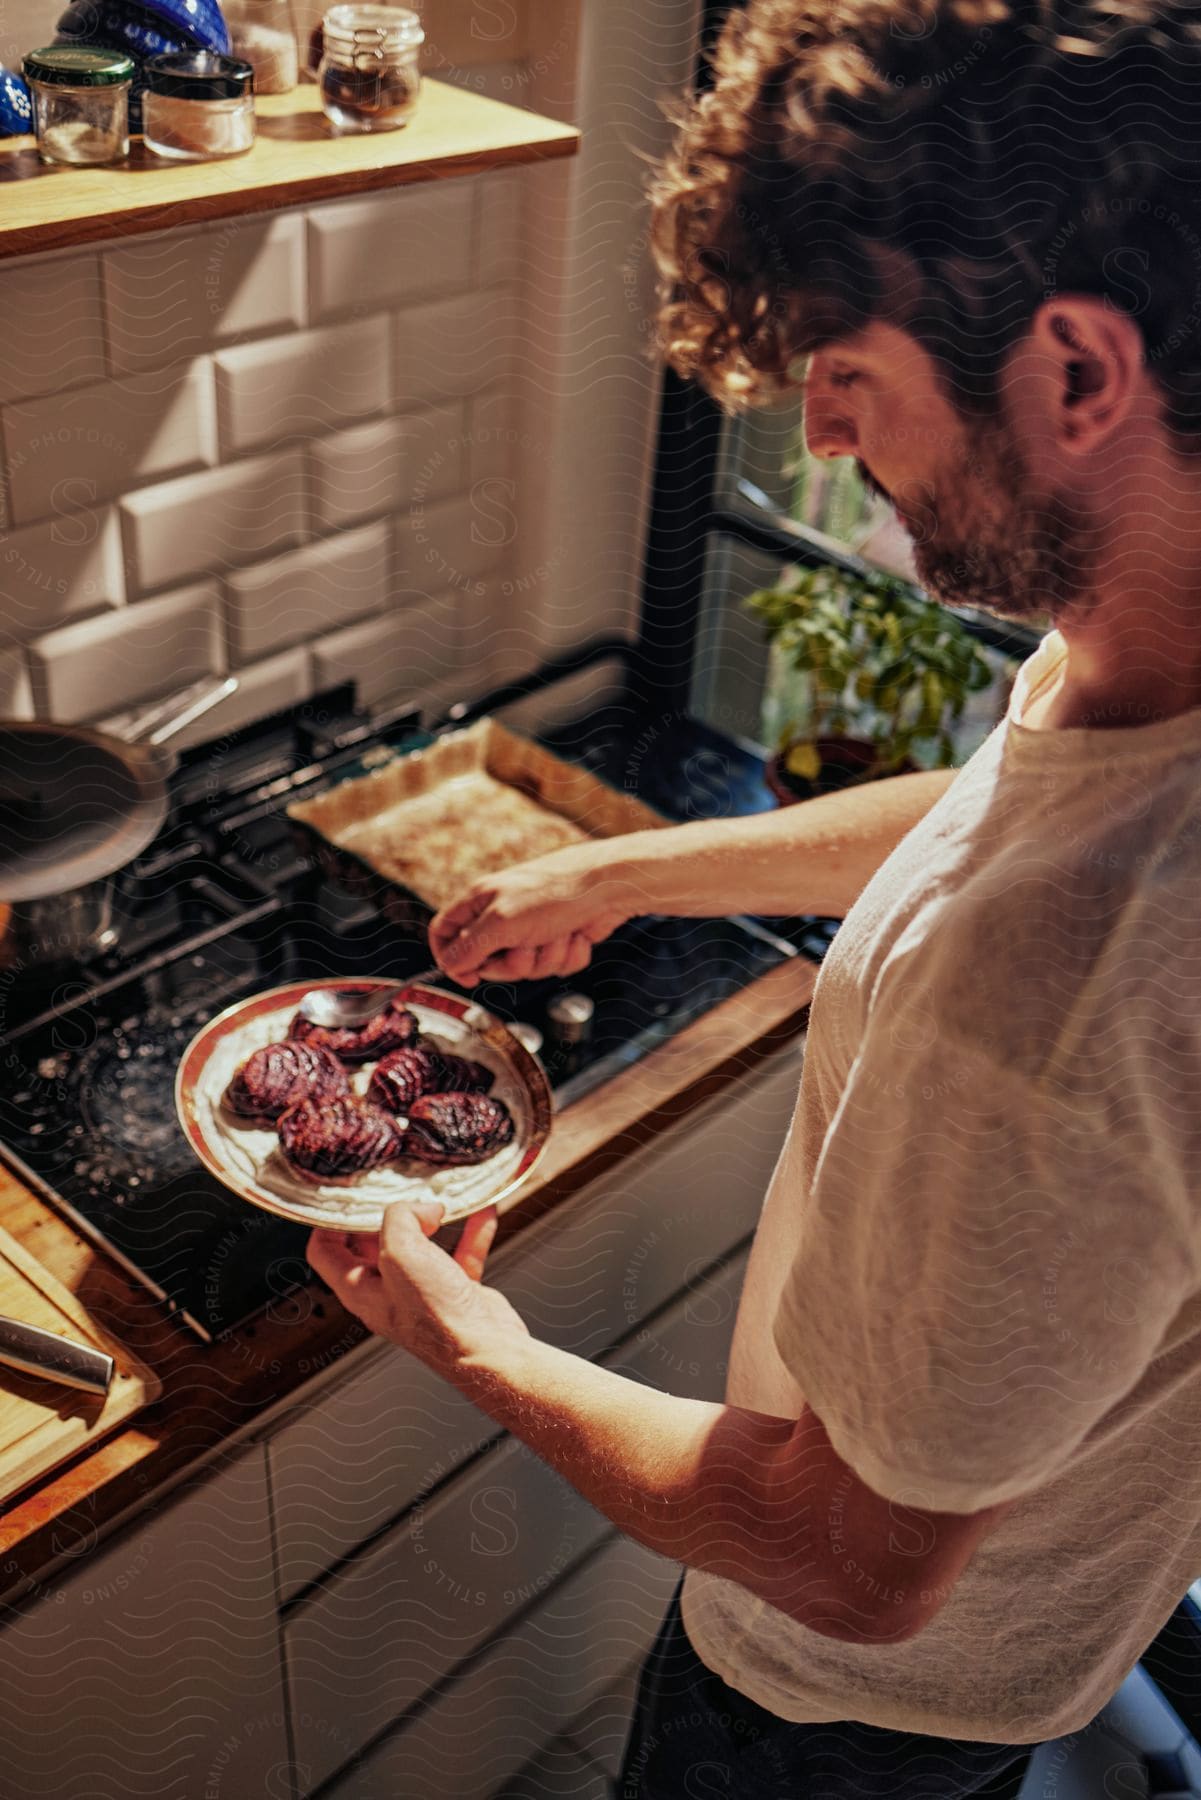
(944, 164)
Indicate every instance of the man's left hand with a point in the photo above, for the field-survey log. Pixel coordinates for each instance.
(405, 1288)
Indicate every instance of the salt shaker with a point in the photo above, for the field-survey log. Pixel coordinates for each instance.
(262, 33)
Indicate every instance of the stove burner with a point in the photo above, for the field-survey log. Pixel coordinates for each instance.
(127, 1100)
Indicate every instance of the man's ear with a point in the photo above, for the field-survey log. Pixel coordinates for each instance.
(1097, 358)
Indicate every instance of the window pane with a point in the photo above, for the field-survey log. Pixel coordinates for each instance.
(732, 689)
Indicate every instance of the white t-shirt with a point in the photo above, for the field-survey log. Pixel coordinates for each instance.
(979, 1259)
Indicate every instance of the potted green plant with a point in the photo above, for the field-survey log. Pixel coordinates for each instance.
(864, 672)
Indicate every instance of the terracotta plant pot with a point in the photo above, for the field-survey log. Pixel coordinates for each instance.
(844, 761)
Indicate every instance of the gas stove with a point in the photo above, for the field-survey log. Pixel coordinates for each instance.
(223, 904)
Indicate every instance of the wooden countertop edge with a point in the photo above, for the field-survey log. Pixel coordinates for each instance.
(297, 161)
(211, 1391)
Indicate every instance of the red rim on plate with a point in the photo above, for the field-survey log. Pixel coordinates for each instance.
(526, 1072)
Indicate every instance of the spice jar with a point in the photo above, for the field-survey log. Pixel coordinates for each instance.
(261, 32)
(80, 102)
(369, 76)
(198, 105)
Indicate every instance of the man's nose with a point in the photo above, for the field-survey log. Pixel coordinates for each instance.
(829, 428)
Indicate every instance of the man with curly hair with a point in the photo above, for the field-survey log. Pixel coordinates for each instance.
(955, 1488)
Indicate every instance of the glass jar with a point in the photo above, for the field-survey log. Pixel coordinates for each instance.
(369, 76)
(261, 32)
(198, 105)
(80, 102)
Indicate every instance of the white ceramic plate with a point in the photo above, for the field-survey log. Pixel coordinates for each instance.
(245, 1154)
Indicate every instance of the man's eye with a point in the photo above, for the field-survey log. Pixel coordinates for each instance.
(844, 378)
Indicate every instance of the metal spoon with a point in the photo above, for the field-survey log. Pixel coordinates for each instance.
(339, 1009)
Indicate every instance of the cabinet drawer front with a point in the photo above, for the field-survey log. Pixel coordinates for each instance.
(584, 1276)
(402, 1616)
(684, 1350)
(527, 1686)
(372, 1445)
(150, 1668)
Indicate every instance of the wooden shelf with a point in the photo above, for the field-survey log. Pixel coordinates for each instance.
(296, 159)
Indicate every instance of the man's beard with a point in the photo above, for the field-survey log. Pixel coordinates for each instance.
(981, 539)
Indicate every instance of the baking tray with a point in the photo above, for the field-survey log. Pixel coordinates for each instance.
(331, 824)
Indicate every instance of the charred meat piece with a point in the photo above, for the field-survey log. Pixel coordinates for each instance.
(402, 1077)
(458, 1075)
(388, 1030)
(445, 1129)
(279, 1075)
(338, 1139)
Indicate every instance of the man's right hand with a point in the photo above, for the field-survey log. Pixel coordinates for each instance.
(538, 919)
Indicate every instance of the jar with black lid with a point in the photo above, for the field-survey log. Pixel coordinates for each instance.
(198, 105)
(369, 75)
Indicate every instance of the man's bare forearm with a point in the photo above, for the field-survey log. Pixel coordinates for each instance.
(815, 857)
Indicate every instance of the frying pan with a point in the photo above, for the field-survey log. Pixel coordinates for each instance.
(76, 805)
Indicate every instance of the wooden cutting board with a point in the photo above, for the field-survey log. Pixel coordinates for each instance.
(42, 1423)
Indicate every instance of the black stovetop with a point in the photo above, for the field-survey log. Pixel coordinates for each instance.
(223, 905)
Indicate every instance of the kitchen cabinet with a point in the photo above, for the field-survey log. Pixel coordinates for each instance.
(149, 1669)
(526, 1687)
(495, 1544)
(583, 1278)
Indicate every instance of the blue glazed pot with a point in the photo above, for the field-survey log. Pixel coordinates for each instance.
(202, 20)
(16, 104)
(143, 29)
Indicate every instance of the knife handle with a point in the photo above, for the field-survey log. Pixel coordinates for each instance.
(37, 1352)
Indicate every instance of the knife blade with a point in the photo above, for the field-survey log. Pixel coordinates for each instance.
(43, 1353)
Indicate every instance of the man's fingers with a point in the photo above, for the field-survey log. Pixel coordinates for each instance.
(475, 1241)
(453, 919)
(341, 1268)
(550, 958)
(407, 1224)
(579, 954)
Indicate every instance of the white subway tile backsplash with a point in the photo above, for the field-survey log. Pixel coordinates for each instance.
(51, 333)
(498, 249)
(70, 450)
(264, 687)
(554, 707)
(386, 465)
(455, 347)
(494, 435)
(290, 387)
(180, 414)
(310, 591)
(172, 297)
(214, 521)
(365, 255)
(57, 571)
(16, 690)
(100, 665)
(453, 544)
(409, 651)
(502, 644)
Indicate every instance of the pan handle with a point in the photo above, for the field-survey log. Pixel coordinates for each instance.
(160, 722)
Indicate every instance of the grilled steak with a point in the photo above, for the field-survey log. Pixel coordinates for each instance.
(279, 1075)
(338, 1139)
(404, 1075)
(388, 1030)
(445, 1129)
